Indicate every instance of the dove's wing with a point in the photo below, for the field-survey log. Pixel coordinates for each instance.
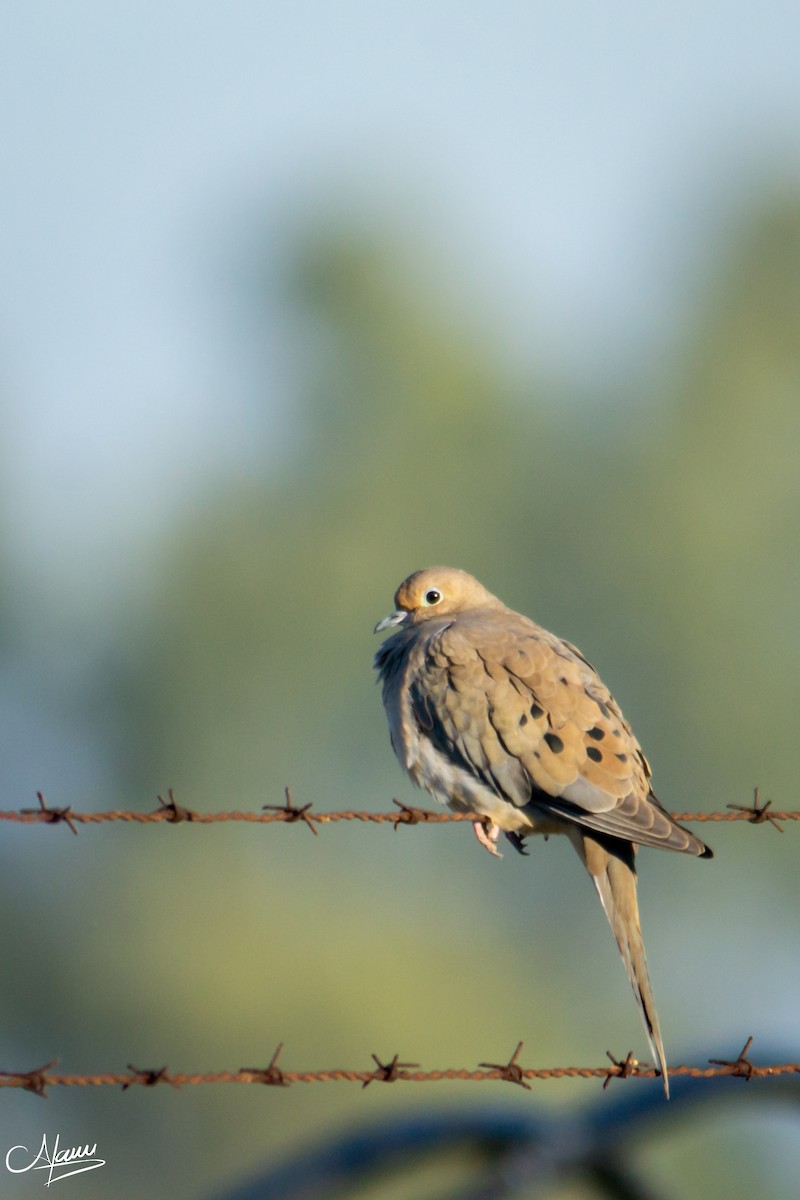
(527, 715)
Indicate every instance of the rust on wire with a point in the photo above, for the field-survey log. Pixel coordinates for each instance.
(51, 815)
(172, 813)
(510, 1072)
(271, 1075)
(388, 1072)
(757, 812)
(408, 815)
(625, 1068)
(290, 813)
(41, 1078)
(739, 1066)
(149, 1077)
(35, 1081)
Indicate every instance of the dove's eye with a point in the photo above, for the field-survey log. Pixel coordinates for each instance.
(432, 596)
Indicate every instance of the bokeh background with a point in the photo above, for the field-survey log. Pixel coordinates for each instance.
(296, 299)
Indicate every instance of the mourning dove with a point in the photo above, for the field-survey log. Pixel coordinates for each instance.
(496, 717)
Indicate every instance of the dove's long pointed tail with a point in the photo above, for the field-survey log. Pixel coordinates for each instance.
(614, 877)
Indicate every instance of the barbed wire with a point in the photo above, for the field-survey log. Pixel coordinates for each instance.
(171, 812)
(393, 1071)
(41, 1078)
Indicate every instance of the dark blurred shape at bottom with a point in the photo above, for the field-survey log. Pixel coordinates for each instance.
(511, 1151)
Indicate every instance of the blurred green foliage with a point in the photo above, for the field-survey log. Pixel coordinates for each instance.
(658, 531)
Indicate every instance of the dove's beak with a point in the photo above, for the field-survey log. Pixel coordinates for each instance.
(396, 618)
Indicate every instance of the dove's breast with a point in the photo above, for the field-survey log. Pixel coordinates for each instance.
(431, 760)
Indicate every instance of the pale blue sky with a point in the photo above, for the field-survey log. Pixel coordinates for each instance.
(573, 160)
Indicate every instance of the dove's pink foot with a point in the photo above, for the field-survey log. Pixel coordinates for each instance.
(487, 834)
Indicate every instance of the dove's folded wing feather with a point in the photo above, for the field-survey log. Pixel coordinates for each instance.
(527, 715)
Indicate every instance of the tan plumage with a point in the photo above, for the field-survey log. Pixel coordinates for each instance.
(497, 717)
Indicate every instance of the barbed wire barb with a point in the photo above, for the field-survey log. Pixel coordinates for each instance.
(35, 1081)
(52, 816)
(388, 1072)
(173, 812)
(150, 1076)
(739, 1066)
(270, 1075)
(624, 1068)
(292, 813)
(757, 813)
(511, 1071)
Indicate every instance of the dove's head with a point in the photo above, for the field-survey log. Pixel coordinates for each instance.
(436, 592)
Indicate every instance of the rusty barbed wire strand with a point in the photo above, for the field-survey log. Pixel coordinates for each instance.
(172, 813)
(40, 1079)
